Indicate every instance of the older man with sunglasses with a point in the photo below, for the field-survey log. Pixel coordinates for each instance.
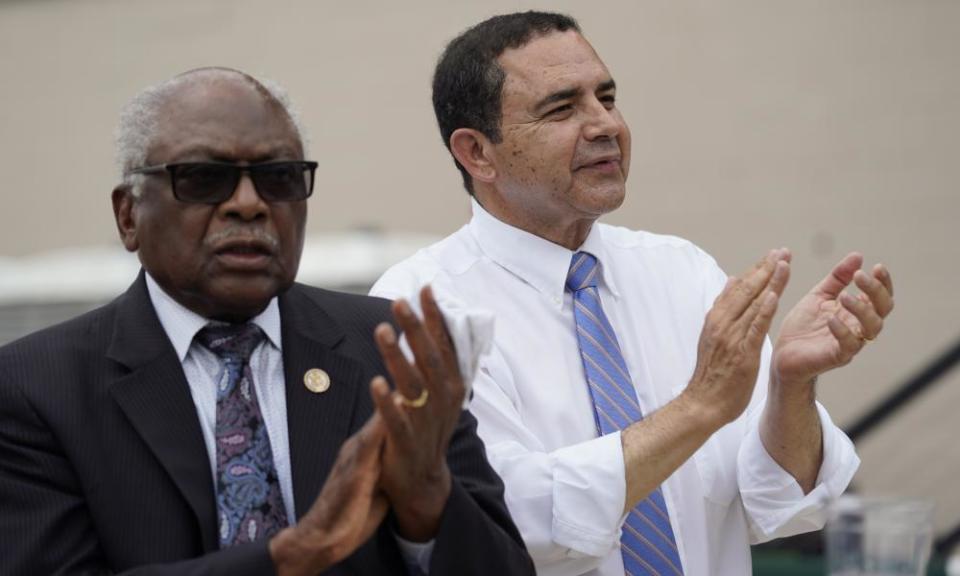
(218, 418)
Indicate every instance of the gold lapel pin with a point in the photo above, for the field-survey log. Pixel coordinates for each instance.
(316, 380)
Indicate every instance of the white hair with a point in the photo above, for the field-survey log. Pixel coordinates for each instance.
(139, 119)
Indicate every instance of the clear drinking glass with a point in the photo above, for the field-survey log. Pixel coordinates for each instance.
(879, 536)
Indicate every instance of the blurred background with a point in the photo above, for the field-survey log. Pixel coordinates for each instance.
(822, 125)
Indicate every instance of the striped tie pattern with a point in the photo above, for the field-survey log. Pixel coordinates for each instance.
(647, 542)
(249, 502)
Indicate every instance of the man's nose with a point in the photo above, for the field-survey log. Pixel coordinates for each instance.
(602, 123)
(245, 203)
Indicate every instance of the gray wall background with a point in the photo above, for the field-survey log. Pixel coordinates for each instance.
(822, 125)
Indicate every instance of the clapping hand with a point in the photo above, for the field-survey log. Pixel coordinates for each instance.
(345, 514)
(397, 460)
(728, 355)
(829, 326)
(420, 416)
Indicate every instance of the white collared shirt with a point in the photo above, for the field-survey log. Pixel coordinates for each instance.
(266, 363)
(565, 486)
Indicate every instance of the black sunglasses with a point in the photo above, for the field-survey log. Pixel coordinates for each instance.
(215, 182)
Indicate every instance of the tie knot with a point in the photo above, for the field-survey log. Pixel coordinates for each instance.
(583, 271)
(231, 341)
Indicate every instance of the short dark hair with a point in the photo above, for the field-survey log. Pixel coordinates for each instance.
(468, 80)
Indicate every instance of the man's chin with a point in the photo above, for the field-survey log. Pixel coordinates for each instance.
(606, 197)
(240, 299)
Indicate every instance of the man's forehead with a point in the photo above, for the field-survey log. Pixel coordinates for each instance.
(205, 94)
(551, 62)
(224, 116)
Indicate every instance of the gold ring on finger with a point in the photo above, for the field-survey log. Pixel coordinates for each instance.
(418, 402)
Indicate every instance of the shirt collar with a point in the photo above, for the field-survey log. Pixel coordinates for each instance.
(182, 324)
(535, 260)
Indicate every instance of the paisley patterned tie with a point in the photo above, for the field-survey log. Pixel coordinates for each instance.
(249, 502)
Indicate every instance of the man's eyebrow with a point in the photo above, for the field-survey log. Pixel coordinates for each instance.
(607, 86)
(198, 151)
(557, 97)
(568, 93)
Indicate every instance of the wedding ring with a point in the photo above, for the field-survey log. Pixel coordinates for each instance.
(418, 402)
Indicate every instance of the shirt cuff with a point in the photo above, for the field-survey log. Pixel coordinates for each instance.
(589, 491)
(416, 555)
(775, 503)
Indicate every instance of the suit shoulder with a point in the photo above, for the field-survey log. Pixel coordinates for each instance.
(345, 307)
(83, 331)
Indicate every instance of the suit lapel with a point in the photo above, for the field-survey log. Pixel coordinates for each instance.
(317, 423)
(156, 398)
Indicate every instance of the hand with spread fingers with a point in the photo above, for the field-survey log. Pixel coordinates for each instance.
(829, 326)
(420, 416)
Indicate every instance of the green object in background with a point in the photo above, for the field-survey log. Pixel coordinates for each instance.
(786, 563)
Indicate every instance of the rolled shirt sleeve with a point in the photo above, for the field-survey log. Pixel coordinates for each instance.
(773, 500)
(568, 503)
(586, 519)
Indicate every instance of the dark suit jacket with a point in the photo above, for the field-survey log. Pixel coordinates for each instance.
(103, 467)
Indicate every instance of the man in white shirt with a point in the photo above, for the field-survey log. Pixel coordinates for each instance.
(620, 354)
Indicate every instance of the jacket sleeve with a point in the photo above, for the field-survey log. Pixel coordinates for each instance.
(45, 525)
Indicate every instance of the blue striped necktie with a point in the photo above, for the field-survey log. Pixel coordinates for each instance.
(647, 543)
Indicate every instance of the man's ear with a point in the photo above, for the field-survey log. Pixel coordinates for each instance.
(474, 152)
(123, 213)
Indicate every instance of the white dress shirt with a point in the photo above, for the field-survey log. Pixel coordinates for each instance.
(565, 486)
(266, 364)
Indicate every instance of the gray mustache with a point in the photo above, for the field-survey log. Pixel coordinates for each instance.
(246, 233)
